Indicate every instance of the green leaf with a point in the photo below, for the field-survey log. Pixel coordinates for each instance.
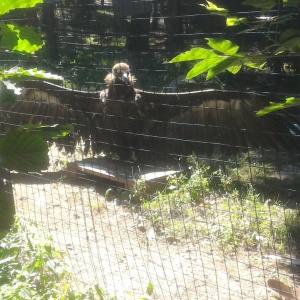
(235, 21)
(285, 18)
(224, 46)
(255, 65)
(100, 292)
(23, 152)
(150, 289)
(289, 34)
(29, 40)
(49, 132)
(194, 54)
(8, 5)
(290, 45)
(25, 293)
(234, 69)
(9, 38)
(23, 39)
(264, 5)
(214, 8)
(204, 66)
(290, 102)
(224, 65)
(294, 3)
(16, 73)
(255, 61)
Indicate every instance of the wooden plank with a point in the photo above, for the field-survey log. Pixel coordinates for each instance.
(125, 173)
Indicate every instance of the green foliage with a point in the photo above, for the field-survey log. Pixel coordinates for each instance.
(293, 3)
(22, 151)
(224, 55)
(289, 42)
(215, 9)
(18, 73)
(20, 39)
(249, 222)
(30, 268)
(290, 102)
(8, 5)
(265, 5)
(207, 204)
(26, 149)
(147, 296)
(7, 209)
(253, 167)
(49, 132)
(150, 289)
(230, 20)
(235, 21)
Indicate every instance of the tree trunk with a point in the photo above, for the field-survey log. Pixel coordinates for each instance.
(7, 204)
(84, 9)
(51, 31)
(174, 24)
(138, 35)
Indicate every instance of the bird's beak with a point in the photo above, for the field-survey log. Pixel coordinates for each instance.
(125, 77)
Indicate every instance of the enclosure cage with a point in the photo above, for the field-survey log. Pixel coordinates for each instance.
(165, 180)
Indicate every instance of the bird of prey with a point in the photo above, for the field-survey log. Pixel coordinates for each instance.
(134, 124)
(122, 121)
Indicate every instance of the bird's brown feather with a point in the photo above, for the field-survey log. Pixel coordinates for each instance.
(124, 120)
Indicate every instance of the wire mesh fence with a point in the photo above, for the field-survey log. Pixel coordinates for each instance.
(164, 181)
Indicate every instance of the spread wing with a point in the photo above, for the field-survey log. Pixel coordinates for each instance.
(212, 120)
(46, 103)
(127, 121)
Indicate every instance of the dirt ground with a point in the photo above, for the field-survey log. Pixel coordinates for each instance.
(105, 244)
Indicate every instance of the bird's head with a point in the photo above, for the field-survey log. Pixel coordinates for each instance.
(120, 74)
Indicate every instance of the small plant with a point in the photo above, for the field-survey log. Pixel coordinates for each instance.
(246, 221)
(208, 204)
(251, 167)
(30, 268)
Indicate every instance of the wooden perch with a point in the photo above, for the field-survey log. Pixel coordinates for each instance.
(284, 290)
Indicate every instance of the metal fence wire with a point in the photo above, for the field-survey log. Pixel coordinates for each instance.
(164, 180)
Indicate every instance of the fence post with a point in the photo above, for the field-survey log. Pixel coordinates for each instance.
(7, 204)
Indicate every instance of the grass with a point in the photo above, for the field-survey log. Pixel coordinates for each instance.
(208, 204)
(30, 268)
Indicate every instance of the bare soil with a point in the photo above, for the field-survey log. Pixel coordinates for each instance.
(105, 244)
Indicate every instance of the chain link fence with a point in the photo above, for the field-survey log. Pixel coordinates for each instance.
(179, 188)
